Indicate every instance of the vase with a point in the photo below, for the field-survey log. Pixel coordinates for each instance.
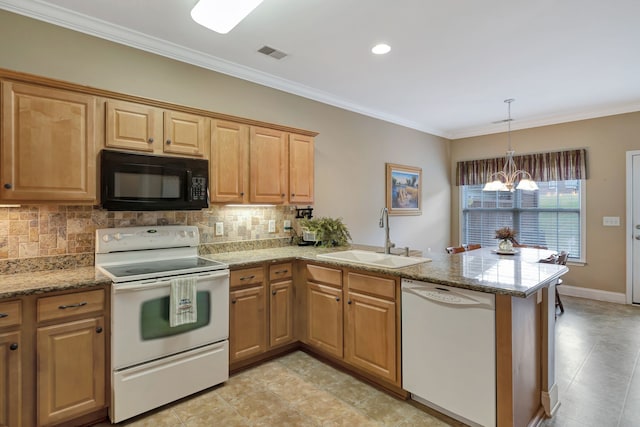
(505, 245)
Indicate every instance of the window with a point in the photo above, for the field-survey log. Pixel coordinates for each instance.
(551, 216)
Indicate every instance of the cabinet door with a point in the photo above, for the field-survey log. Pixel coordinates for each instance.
(281, 311)
(324, 318)
(370, 335)
(48, 144)
(10, 379)
(300, 169)
(133, 126)
(268, 166)
(71, 370)
(248, 323)
(185, 133)
(229, 162)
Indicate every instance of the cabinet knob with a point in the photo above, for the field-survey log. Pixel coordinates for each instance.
(273, 292)
(99, 329)
(168, 141)
(337, 298)
(242, 194)
(8, 186)
(293, 194)
(233, 301)
(150, 140)
(13, 346)
(349, 302)
(282, 195)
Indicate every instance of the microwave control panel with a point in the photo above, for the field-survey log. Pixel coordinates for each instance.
(198, 188)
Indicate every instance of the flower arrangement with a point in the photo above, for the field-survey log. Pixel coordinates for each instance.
(506, 233)
(328, 231)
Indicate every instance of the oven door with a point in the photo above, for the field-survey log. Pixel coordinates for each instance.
(140, 319)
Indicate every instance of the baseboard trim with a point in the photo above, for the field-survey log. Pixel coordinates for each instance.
(550, 401)
(595, 294)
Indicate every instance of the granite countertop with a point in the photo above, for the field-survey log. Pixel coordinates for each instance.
(15, 285)
(481, 270)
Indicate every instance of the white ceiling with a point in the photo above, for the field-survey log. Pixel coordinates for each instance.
(452, 62)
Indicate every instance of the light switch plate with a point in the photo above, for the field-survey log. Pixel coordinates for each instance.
(219, 228)
(611, 221)
(287, 224)
(272, 226)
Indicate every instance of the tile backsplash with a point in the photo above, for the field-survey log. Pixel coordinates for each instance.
(32, 231)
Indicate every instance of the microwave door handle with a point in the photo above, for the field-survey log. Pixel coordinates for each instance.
(189, 185)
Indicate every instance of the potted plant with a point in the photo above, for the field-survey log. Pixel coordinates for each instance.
(328, 231)
(506, 236)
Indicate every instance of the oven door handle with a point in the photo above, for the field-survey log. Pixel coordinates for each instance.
(164, 282)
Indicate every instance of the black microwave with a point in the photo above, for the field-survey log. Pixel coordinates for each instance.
(142, 182)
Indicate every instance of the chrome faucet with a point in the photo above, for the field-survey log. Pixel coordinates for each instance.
(384, 223)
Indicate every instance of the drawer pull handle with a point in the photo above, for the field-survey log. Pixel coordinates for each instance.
(99, 329)
(13, 346)
(282, 271)
(253, 276)
(3, 315)
(80, 304)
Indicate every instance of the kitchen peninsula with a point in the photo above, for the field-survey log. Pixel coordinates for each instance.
(524, 291)
(294, 278)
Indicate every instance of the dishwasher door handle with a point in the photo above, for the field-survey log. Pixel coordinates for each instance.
(447, 297)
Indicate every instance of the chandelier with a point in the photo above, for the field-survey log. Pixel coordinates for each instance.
(506, 179)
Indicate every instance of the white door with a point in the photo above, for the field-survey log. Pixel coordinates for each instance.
(633, 224)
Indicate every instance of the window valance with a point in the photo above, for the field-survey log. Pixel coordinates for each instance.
(553, 166)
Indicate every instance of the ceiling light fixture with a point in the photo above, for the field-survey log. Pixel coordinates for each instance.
(381, 49)
(222, 15)
(505, 180)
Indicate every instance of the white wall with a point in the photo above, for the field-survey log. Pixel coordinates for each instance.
(351, 149)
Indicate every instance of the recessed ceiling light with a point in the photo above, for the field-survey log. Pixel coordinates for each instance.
(222, 15)
(381, 49)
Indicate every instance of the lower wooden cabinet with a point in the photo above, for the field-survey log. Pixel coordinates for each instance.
(370, 328)
(324, 318)
(71, 369)
(358, 322)
(10, 378)
(248, 323)
(281, 304)
(53, 359)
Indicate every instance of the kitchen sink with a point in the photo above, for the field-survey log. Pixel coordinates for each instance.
(374, 259)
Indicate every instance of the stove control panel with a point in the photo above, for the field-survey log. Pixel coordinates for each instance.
(139, 238)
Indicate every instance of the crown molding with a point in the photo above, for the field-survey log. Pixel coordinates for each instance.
(573, 116)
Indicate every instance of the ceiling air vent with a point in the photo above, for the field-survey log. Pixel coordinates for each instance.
(274, 53)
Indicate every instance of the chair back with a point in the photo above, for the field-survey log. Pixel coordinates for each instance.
(455, 249)
(520, 245)
(473, 246)
(562, 258)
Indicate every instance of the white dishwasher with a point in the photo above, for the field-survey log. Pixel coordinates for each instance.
(448, 350)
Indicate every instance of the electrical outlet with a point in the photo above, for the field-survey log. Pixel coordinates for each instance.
(287, 224)
(219, 228)
(272, 226)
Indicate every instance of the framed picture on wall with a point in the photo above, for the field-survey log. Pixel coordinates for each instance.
(404, 190)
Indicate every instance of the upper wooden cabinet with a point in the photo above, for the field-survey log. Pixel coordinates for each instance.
(301, 153)
(48, 144)
(140, 127)
(268, 166)
(229, 162)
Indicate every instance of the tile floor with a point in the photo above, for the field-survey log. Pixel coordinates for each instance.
(598, 375)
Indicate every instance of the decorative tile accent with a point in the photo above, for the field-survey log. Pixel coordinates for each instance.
(39, 233)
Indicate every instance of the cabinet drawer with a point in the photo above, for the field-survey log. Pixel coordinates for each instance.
(280, 271)
(246, 276)
(61, 306)
(329, 276)
(10, 313)
(379, 286)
